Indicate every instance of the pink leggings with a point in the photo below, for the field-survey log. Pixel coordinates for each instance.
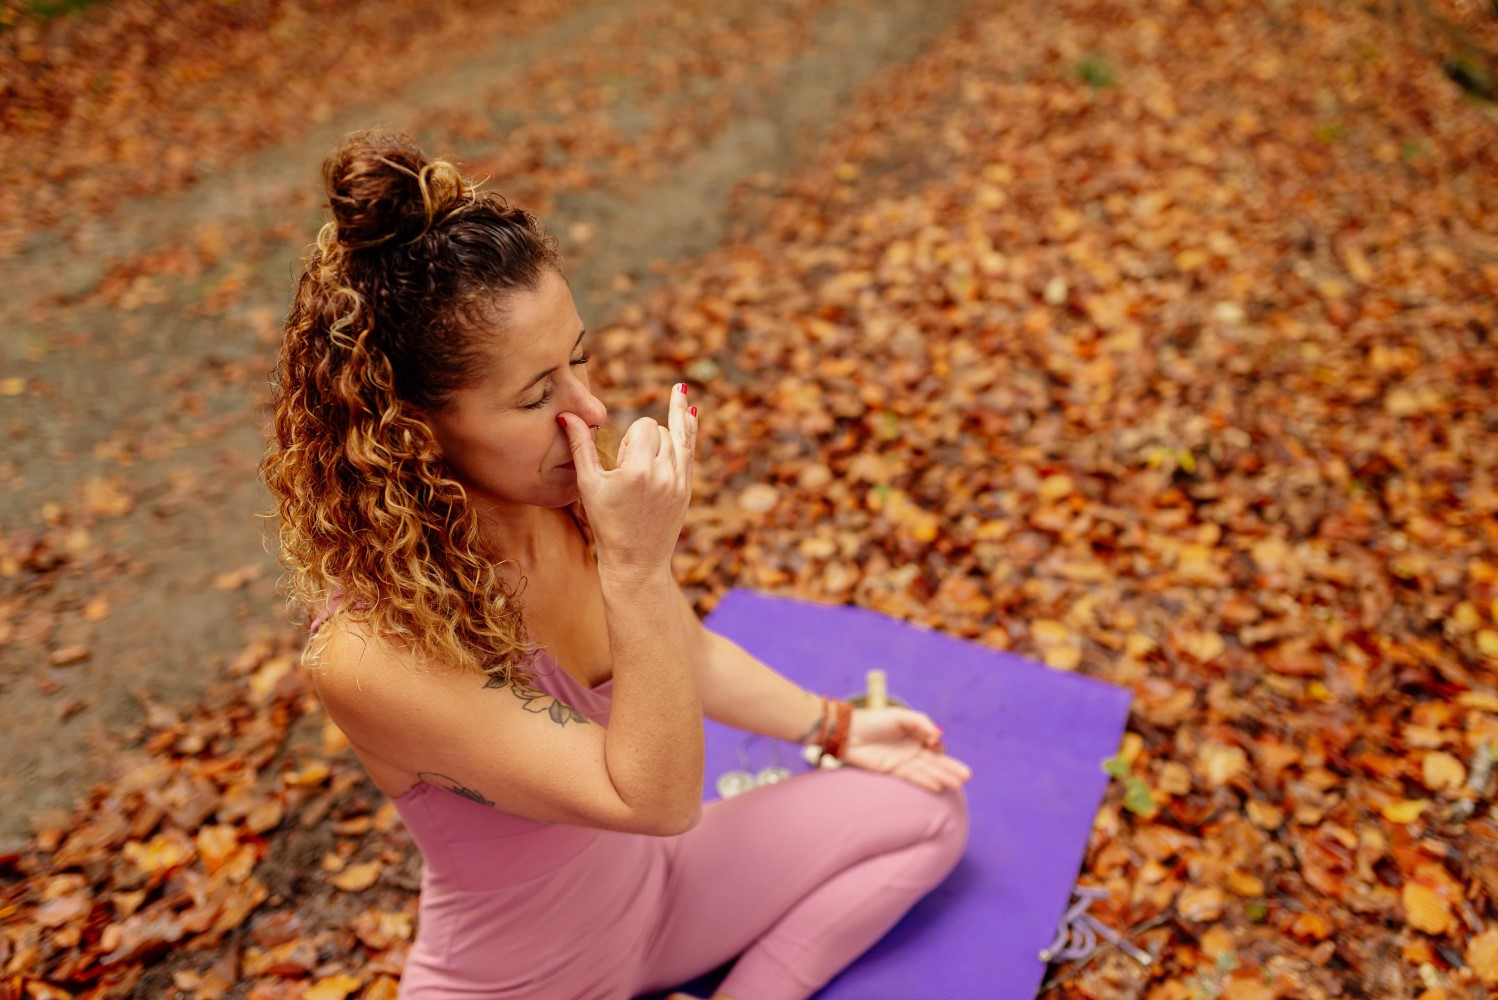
(799, 879)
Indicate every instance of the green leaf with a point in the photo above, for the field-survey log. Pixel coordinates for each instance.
(1116, 767)
(1138, 798)
(1095, 72)
(1330, 131)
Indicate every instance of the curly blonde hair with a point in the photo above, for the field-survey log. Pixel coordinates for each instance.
(380, 330)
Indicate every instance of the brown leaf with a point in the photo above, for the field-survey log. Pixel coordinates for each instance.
(1482, 956)
(1441, 771)
(63, 909)
(1201, 904)
(107, 498)
(380, 930)
(168, 849)
(297, 957)
(356, 878)
(1425, 909)
(216, 844)
(68, 654)
(382, 988)
(336, 987)
(145, 933)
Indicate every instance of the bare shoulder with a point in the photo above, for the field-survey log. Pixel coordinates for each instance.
(502, 742)
(349, 663)
(345, 654)
(360, 674)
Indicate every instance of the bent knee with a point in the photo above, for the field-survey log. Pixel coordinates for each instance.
(945, 818)
(896, 808)
(952, 821)
(944, 834)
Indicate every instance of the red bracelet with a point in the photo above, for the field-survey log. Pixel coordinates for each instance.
(823, 727)
(836, 743)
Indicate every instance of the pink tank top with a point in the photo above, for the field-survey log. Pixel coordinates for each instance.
(511, 907)
(449, 828)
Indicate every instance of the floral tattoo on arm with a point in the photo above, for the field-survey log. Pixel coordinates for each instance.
(539, 701)
(536, 701)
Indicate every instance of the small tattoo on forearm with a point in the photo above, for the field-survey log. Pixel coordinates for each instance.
(540, 702)
(810, 732)
(453, 785)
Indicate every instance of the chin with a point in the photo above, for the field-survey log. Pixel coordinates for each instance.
(561, 498)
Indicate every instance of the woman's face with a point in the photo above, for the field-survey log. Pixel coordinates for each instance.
(501, 436)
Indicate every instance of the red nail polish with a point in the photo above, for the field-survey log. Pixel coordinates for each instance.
(562, 420)
(694, 411)
(683, 388)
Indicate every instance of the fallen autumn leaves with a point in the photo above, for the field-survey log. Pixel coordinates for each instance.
(1156, 346)
(174, 850)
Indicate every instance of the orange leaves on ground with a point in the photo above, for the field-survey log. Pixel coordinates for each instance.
(171, 851)
(333, 987)
(1482, 956)
(1404, 811)
(166, 850)
(1159, 348)
(357, 878)
(381, 930)
(1425, 909)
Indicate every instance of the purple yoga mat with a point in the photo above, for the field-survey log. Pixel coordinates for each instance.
(1036, 739)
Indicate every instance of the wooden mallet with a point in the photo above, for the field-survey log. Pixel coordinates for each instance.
(876, 690)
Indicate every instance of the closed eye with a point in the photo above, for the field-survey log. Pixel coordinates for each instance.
(546, 394)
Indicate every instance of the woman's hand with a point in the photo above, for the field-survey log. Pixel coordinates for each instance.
(904, 743)
(636, 509)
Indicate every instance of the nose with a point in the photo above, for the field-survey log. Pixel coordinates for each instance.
(588, 406)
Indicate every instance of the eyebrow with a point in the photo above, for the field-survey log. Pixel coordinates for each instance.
(553, 368)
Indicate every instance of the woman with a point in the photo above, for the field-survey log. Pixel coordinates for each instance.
(503, 644)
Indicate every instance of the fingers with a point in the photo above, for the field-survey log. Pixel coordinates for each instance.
(920, 726)
(918, 771)
(665, 446)
(934, 772)
(639, 444)
(682, 420)
(580, 441)
(954, 767)
(679, 417)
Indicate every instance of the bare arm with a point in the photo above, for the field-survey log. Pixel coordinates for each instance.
(653, 746)
(741, 691)
(501, 743)
(653, 750)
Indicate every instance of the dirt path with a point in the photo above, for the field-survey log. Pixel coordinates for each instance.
(133, 564)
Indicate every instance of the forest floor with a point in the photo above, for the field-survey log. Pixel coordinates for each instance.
(1183, 323)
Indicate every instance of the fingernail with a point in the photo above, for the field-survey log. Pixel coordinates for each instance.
(683, 388)
(693, 411)
(562, 420)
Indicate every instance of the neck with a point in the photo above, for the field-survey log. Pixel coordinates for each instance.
(514, 532)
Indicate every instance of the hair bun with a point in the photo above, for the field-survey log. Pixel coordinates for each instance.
(383, 188)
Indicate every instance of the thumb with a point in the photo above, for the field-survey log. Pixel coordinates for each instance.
(580, 440)
(924, 729)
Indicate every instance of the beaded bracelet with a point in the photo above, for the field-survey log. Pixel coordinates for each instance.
(836, 742)
(824, 728)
